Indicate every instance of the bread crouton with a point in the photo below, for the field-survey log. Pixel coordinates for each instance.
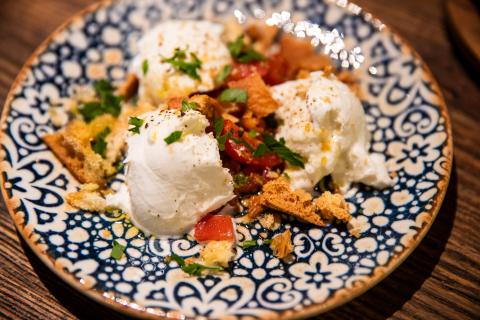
(263, 36)
(129, 87)
(282, 245)
(88, 198)
(333, 206)
(207, 106)
(259, 101)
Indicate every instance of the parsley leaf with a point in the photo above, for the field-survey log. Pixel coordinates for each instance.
(120, 166)
(117, 250)
(285, 153)
(247, 244)
(223, 139)
(194, 269)
(137, 123)
(261, 150)
(223, 74)
(173, 137)
(188, 106)
(233, 95)
(145, 67)
(109, 103)
(243, 54)
(103, 86)
(239, 180)
(245, 143)
(218, 126)
(267, 241)
(252, 133)
(178, 61)
(99, 145)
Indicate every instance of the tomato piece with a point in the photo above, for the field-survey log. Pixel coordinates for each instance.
(214, 228)
(243, 70)
(242, 152)
(278, 70)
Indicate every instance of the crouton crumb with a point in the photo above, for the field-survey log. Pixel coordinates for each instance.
(333, 206)
(270, 221)
(217, 253)
(88, 198)
(282, 244)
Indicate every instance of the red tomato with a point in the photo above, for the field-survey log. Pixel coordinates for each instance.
(242, 153)
(214, 228)
(243, 70)
(277, 70)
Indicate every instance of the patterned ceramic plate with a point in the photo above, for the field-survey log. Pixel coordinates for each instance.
(406, 115)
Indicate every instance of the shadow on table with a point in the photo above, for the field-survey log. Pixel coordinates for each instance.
(380, 302)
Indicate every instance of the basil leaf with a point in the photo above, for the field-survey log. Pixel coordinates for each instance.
(173, 137)
(223, 74)
(137, 123)
(285, 153)
(233, 95)
(188, 106)
(117, 250)
(99, 145)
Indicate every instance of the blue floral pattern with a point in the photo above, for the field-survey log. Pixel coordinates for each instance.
(409, 128)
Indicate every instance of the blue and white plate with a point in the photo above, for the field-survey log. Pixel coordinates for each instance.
(406, 115)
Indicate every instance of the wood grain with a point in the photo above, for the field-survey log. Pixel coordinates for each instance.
(440, 280)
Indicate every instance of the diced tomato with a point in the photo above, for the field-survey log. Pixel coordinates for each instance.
(242, 153)
(214, 228)
(278, 70)
(243, 70)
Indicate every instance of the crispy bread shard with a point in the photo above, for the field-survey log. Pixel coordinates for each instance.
(282, 245)
(333, 207)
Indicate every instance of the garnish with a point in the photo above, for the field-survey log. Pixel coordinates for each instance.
(109, 103)
(252, 133)
(233, 95)
(178, 61)
(247, 244)
(173, 137)
(120, 166)
(188, 106)
(218, 126)
(137, 123)
(145, 67)
(267, 241)
(285, 174)
(134, 101)
(243, 54)
(117, 250)
(99, 145)
(223, 74)
(245, 143)
(221, 139)
(239, 180)
(261, 150)
(285, 153)
(194, 269)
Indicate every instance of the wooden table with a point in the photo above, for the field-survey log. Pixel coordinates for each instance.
(441, 279)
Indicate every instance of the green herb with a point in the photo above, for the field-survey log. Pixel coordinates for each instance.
(223, 74)
(117, 250)
(286, 175)
(99, 145)
(261, 150)
(194, 269)
(233, 95)
(134, 101)
(218, 126)
(247, 244)
(109, 103)
(145, 67)
(137, 123)
(223, 139)
(285, 153)
(267, 241)
(243, 54)
(252, 133)
(173, 137)
(178, 61)
(188, 106)
(239, 180)
(120, 166)
(245, 143)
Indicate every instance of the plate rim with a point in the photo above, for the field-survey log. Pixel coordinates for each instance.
(339, 298)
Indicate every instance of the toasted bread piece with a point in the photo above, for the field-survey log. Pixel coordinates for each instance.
(88, 198)
(206, 105)
(282, 245)
(263, 36)
(128, 88)
(333, 206)
(259, 101)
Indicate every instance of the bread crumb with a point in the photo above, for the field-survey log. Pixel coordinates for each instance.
(282, 244)
(217, 253)
(88, 198)
(333, 206)
(270, 221)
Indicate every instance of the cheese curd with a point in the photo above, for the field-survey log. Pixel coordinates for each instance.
(160, 80)
(169, 187)
(324, 121)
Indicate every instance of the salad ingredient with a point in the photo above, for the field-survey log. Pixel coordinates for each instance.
(282, 245)
(217, 253)
(214, 228)
(117, 250)
(194, 269)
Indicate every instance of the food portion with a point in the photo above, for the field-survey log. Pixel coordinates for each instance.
(220, 126)
(174, 175)
(324, 122)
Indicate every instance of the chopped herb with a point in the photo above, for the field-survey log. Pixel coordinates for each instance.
(188, 106)
(252, 133)
(239, 180)
(267, 241)
(233, 95)
(243, 54)
(261, 150)
(285, 174)
(218, 126)
(109, 103)
(245, 143)
(178, 61)
(99, 145)
(117, 250)
(145, 67)
(247, 244)
(137, 123)
(285, 153)
(173, 137)
(120, 166)
(194, 269)
(223, 74)
(134, 101)
(223, 139)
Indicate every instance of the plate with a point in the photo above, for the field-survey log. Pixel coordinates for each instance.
(406, 115)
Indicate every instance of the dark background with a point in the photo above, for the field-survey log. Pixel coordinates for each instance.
(439, 280)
